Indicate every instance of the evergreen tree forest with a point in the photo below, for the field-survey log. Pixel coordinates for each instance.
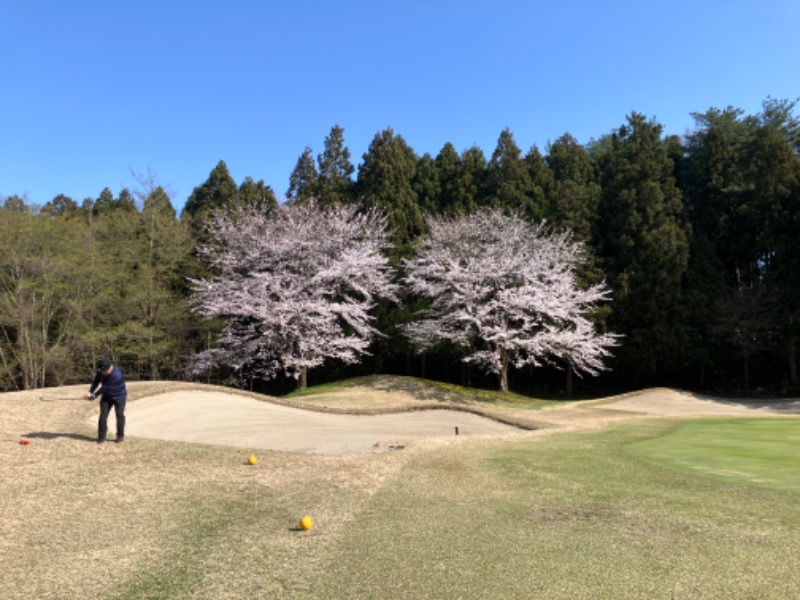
(696, 236)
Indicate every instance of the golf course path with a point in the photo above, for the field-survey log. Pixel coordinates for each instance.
(236, 420)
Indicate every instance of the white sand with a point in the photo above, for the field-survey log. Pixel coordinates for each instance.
(234, 420)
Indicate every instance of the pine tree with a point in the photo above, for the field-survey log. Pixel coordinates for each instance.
(158, 334)
(643, 247)
(304, 180)
(449, 167)
(104, 203)
(576, 192)
(386, 182)
(335, 180)
(540, 192)
(256, 193)
(426, 184)
(509, 182)
(775, 195)
(471, 184)
(61, 205)
(219, 191)
(741, 178)
(780, 114)
(126, 201)
(713, 177)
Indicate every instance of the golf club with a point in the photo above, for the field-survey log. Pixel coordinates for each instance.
(43, 399)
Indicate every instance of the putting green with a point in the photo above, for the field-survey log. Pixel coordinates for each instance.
(758, 452)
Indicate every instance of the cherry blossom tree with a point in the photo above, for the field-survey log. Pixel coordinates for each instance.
(505, 291)
(295, 287)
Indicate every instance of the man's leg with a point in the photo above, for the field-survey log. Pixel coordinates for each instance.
(119, 411)
(102, 423)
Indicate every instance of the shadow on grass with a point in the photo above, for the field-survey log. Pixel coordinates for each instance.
(52, 435)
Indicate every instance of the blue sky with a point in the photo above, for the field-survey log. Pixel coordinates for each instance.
(95, 90)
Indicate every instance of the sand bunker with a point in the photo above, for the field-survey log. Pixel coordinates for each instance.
(218, 417)
(233, 420)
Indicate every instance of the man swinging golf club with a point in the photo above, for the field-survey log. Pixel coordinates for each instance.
(112, 392)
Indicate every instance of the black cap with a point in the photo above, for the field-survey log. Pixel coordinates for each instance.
(102, 365)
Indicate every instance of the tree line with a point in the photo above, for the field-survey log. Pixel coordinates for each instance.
(697, 238)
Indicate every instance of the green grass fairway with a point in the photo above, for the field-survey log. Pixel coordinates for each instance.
(760, 452)
(570, 516)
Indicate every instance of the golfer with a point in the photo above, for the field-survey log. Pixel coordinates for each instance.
(112, 392)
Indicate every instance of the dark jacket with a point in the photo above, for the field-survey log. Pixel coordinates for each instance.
(112, 385)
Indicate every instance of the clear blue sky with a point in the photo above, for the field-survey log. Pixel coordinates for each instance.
(94, 89)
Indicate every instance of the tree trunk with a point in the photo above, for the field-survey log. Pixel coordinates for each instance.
(504, 373)
(570, 374)
(746, 374)
(302, 380)
(702, 375)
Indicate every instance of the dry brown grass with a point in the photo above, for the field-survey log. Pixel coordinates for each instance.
(81, 522)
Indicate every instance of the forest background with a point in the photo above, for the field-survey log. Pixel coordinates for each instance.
(697, 236)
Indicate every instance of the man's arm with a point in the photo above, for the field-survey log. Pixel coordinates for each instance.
(95, 382)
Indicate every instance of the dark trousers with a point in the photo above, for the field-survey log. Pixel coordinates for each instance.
(106, 402)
